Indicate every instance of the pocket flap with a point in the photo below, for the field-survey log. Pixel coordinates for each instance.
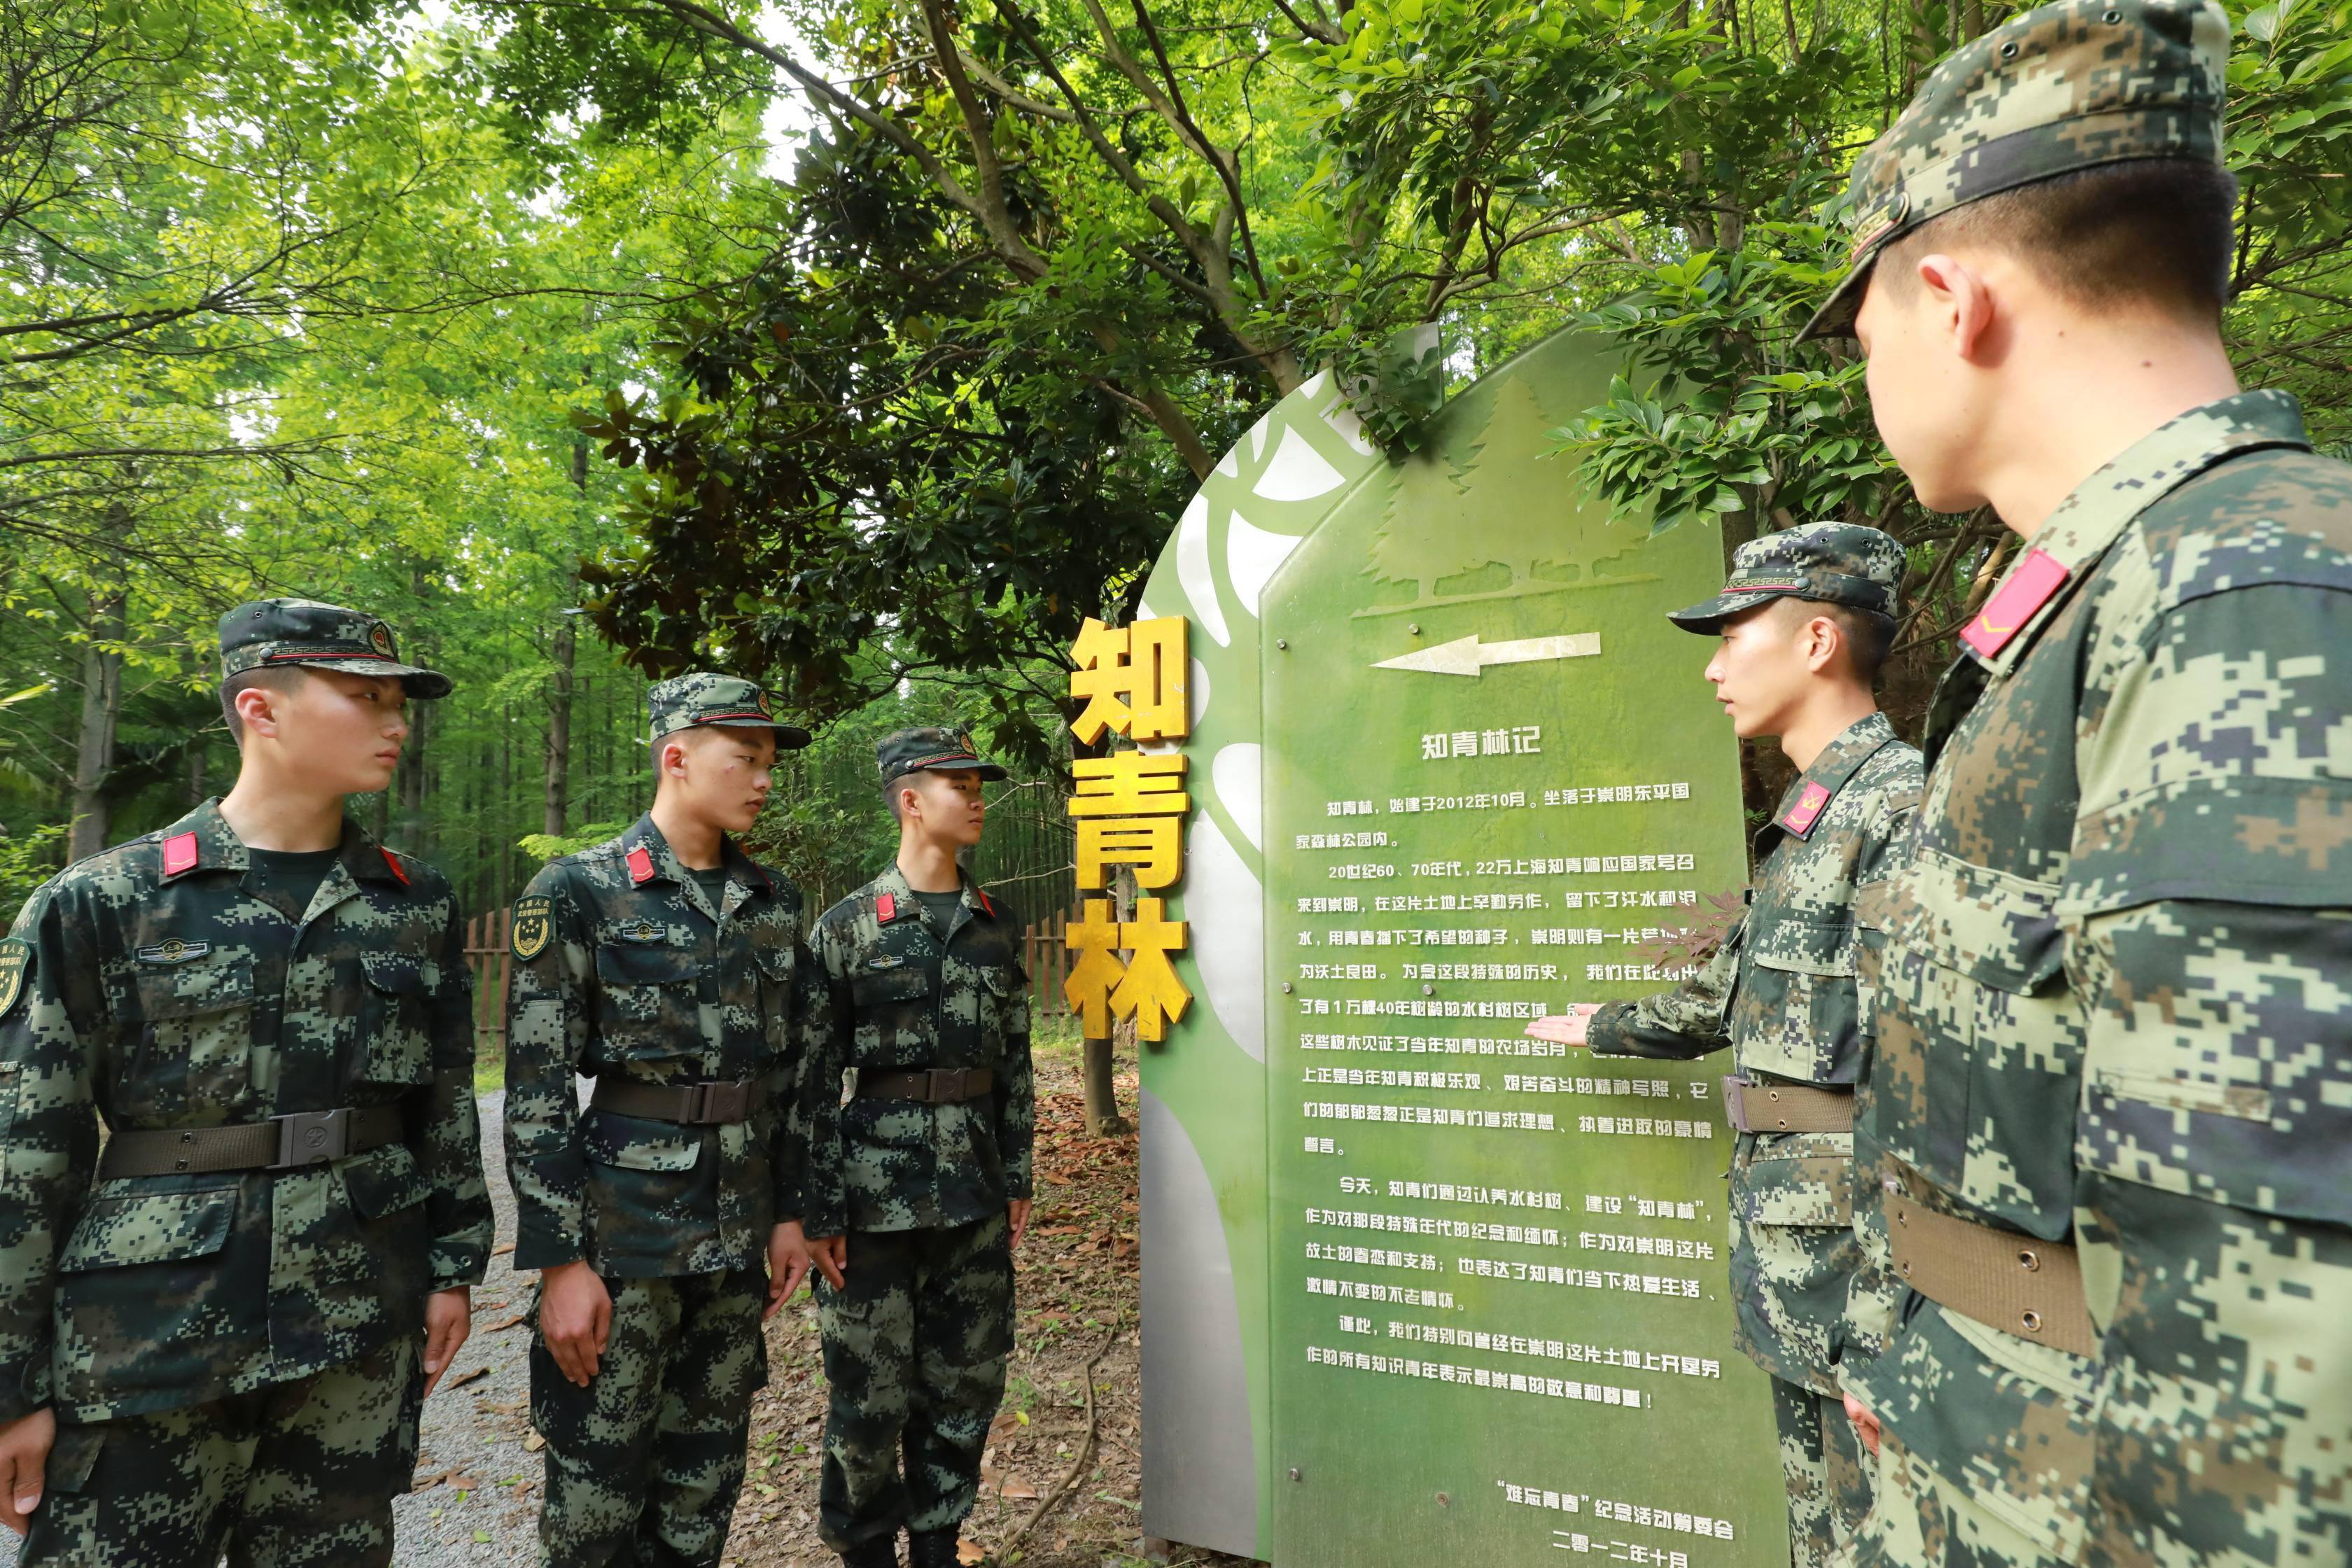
(1005, 979)
(385, 1180)
(634, 1143)
(149, 1228)
(209, 984)
(1801, 946)
(400, 975)
(1810, 1190)
(776, 961)
(902, 983)
(625, 964)
(1999, 930)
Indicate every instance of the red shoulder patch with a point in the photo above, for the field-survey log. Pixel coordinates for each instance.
(2005, 614)
(1802, 814)
(392, 860)
(886, 906)
(641, 864)
(179, 854)
(984, 903)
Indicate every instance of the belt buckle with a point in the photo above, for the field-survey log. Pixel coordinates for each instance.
(727, 1101)
(312, 1138)
(1735, 1102)
(943, 1085)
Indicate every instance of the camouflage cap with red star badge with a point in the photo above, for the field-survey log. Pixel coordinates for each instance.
(685, 702)
(267, 634)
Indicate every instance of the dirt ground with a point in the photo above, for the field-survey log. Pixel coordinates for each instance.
(1078, 1275)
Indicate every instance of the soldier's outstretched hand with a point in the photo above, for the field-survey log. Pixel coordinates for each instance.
(23, 1462)
(831, 1256)
(575, 1319)
(448, 1319)
(1567, 1026)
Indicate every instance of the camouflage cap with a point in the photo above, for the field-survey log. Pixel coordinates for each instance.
(2064, 87)
(685, 702)
(1837, 562)
(904, 752)
(268, 633)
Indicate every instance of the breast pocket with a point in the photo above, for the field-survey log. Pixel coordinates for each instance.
(896, 1023)
(645, 1002)
(778, 965)
(1007, 1010)
(1796, 1008)
(398, 1047)
(194, 1035)
(152, 1259)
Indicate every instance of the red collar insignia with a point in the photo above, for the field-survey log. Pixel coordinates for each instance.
(886, 906)
(1807, 810)
(179, 854)
(2005, 614)
(985, 904)
(393, 861)
(641, 864)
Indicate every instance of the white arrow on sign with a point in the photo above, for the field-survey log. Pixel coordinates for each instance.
(1467, 656)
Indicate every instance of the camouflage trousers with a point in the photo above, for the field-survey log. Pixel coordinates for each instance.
(915, 1345)
(296, 1474)
(1923, 1519)
(645, 1463)
(1822, 1461)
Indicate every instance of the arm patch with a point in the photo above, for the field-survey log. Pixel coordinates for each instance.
(534, 924)
(15, 968)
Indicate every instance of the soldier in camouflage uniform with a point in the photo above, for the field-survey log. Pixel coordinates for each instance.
(674, 971)
(931, 1156)
(1805, 622)
(229, 1314)
(2113, 1091)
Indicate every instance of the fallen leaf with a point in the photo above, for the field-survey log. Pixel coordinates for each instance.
(504, 1406)
(501, 1249)
(967, 1552)
(463, 1483)
(463, 1378)
(1008, 1485)
(506, 1322)
(534, 1444)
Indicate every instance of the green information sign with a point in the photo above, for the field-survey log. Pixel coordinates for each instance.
(1485, 779)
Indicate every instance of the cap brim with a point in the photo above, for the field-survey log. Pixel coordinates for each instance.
(1835, 318)
(1707, 617)
(967, 764)
(789, 737)
(424, 684)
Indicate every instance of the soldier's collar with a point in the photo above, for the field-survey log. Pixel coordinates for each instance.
(647, 855)
(1809, 794)
(2059, 555)
(740, 868)
(203, 841)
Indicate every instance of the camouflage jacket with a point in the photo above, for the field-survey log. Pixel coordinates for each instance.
(905, 994)
(146, 987)
(1781, 991)
(2112, 1007)
(624, 969)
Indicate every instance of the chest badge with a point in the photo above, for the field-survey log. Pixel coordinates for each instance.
(171, 949)
(534, 924)
(1808, 809)
(15, 962)
(647, 933)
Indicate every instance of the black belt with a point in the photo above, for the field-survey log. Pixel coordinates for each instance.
(688, 1104)
(281, 1143)
(932, 1086)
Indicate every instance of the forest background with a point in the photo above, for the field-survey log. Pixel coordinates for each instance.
(865, 347)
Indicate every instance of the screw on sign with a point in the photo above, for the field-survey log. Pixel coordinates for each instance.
(1129, 810)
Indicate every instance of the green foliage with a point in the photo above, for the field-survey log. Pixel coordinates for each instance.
(27, 860)
(545, 846)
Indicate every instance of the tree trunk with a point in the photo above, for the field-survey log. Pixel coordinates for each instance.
(102, 700)
(1095, 1057)
(199, 760)
(413, 776)
(557, 814)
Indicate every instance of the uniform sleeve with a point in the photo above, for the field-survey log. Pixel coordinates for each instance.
(1016, 1099)
(1680, 1024)
(808, 1005)
(824, 1195)
(457, 1208)
(1873, 1291)
(547, 1036)
(2208, 906)
(48, 1136)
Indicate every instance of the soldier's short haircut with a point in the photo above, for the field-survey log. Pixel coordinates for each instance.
(2154, 232)
(284, 678)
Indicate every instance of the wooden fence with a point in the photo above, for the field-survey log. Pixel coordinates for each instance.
(491, 958)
